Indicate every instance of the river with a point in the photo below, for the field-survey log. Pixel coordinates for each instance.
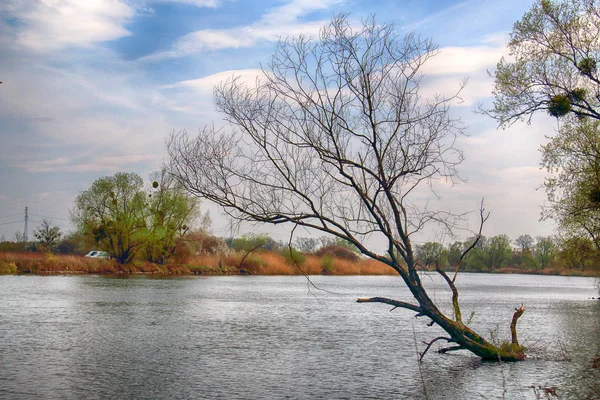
(277, 337)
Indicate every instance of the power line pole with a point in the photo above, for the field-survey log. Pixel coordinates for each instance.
(25, 233)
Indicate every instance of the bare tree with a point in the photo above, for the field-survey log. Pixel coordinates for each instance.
(47, 236)
(335, 136)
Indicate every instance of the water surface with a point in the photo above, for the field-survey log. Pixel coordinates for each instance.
(274, 337)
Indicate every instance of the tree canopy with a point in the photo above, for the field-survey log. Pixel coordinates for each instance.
(47, 236)
(554, 51)
(120, 217)
(572, 160)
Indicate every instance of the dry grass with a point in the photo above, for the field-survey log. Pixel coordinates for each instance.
(257, 263)
(271, 263)
(374, 267)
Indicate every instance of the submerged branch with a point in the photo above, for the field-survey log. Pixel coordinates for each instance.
(395, 303)
(451, 348)
(429, 344)
(513, 325)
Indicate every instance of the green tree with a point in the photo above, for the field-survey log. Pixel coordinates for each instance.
(572, 160)
(432, 254)
(579, 253)
(335, 136)
(545, 250)
(249, 243)
(170, 214)
(112, 213)
(554, 50)
(47, 237)
(492, 252)
(454, 252)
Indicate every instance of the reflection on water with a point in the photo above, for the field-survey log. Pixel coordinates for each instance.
(270, 337)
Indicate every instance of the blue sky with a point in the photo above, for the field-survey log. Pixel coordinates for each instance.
(93, 87)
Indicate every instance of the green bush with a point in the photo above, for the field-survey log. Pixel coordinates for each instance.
(252, 264)
(293, 256)
(8, 268)
(327, 263)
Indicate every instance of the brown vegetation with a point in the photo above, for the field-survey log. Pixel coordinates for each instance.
(260, 263)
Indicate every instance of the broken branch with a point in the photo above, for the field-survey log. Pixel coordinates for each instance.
(395, 303)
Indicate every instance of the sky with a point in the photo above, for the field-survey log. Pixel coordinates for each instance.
(94, 87)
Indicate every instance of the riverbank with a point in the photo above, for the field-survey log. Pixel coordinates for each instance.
(265, 263)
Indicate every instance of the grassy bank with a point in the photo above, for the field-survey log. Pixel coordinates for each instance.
(263, 263)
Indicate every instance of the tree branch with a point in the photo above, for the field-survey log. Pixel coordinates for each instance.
(513, 324)
(395, 303)
(430, 343)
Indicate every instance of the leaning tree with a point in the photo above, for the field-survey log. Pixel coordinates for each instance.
(335, 136)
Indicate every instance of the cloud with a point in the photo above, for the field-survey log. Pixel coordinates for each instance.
(277, 23)
(464, 60)
(90, 164)
(445, 72)
(197, 3)
(49, 25)
(206, 84)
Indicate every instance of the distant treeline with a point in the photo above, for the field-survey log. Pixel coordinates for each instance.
(201, 252)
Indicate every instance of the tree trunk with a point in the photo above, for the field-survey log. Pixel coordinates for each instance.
(462, 335)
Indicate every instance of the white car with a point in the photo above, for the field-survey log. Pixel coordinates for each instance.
(98, 254)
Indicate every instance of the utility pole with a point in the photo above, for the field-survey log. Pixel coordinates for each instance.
(25, 233)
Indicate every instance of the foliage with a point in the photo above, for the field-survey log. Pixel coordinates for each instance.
(528, 262)
(293, 256)
(454, 251)
(432, 254)
(337, 251)
(170, 213)
(47, 236)
(112, 213)
(249, 242)
(545, 250)
(579, 253)
(73, 243)
(327, 262)
(572, 159)
(117, 215)
(490, 253)
(14, 247)
(554, 50)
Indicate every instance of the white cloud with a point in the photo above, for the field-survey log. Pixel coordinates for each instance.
(197, 3)
(111, 163)
(445, 72)
(50, 25)
(279, 22)
(464, 60)
(206, 84)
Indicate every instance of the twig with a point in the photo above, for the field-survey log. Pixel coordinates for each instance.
(429, 344)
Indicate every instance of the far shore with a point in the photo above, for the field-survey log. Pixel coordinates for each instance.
(257, 264)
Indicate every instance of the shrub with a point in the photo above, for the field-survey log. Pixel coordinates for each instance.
(7, 268)
(327, 263)
(293, 256)
(338, 251)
